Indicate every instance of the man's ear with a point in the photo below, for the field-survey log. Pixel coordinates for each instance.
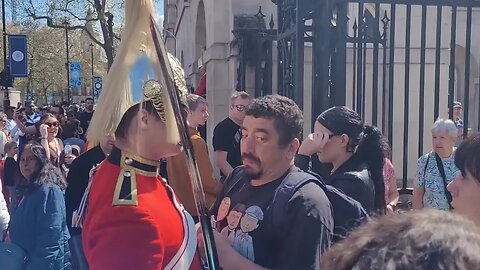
(143, 117)
(293, 147)
(344, 139)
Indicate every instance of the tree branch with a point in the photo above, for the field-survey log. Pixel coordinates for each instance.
(77, 17)
(59, 26)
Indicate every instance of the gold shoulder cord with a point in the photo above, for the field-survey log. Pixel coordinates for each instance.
(126, 189)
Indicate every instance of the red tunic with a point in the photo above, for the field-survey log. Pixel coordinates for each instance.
(132, 220)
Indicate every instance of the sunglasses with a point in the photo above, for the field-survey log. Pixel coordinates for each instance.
(240, 108)
(50, 125)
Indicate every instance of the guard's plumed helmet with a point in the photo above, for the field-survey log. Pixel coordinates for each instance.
(135, 76)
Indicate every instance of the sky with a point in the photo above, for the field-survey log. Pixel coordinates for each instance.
(160, 13)
(158, 9)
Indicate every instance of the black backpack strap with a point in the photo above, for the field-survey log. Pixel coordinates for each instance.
(290, 184)
(444, 178)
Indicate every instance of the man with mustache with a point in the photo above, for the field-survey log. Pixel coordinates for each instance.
(270, 139)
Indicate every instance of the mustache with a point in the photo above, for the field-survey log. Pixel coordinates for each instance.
(251, 157)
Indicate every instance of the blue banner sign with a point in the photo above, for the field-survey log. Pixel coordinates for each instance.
(97, 87)
(75, 75)
(18, 55)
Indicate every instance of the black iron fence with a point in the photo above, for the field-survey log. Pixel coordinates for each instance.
(401, 51)
(399, 63)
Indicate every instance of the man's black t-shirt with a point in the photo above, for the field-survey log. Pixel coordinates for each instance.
(243, 215)
(226, 137)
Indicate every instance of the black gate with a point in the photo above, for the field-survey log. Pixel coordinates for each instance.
(399, 63)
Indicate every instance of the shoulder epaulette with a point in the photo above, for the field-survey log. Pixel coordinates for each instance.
(126, 188)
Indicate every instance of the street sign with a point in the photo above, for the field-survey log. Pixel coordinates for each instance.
(29, 96)
(75, 75)
(97, 87)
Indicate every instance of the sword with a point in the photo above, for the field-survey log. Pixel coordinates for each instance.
(198, 194)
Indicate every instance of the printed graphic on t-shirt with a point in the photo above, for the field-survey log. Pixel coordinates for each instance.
(237, 223)
(237, 137)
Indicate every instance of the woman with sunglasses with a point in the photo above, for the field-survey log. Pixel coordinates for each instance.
(47, 130)
(356, 151)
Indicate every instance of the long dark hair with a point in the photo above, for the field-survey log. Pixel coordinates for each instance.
(366, 142)
(46, 174)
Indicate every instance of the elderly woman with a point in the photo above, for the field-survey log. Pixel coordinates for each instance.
(465, 189)
(437, 169)
(39, 224)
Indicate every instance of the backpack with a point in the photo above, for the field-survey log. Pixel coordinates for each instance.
(347, 213)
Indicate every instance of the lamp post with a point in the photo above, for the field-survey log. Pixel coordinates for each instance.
(169, 34)
(91, 54)
(6, 100)
(66, 24)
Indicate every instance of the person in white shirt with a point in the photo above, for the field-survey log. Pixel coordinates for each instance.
(11, 126)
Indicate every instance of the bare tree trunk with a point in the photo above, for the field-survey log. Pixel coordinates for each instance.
(107, 38)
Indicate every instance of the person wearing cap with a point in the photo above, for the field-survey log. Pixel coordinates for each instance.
(133, 219)
(457, 113)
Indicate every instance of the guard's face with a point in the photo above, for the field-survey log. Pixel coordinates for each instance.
(107, 143)
(154, 134)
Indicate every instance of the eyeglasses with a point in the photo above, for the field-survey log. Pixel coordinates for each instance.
(240, 108)
(54, 124)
